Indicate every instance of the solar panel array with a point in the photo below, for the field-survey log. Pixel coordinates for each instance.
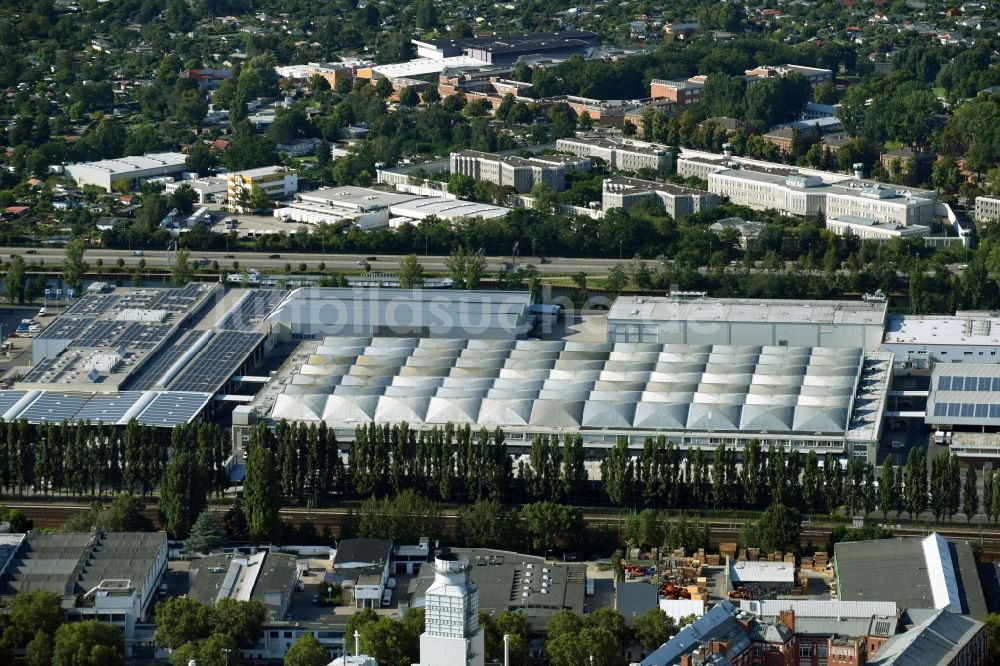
(962, 383)
(217, 361)
(139, 300)
(93, 304)
(165, 409)
(143, 336)
(66, 328)
(172, 408)
(8, 399)
(251, 309)
(157, 366)
(54, 407)
(183, 299)
(108, 407)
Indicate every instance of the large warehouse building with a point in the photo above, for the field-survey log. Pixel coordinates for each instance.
(684, 318)
(310, 313)
(105, 173)
(804, 398)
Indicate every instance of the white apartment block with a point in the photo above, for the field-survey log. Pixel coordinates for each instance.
(620, 155)
(677, 201)
(987, 209)
(520, 173)
(276, 182)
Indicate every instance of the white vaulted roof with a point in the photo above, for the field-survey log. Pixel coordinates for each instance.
(567, 386)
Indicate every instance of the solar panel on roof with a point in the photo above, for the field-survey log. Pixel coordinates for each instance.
(217, 361)
(156, 367)
(108, 407)
(173, 408)
(54, 407)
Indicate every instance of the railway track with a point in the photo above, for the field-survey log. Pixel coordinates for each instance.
(816, 535)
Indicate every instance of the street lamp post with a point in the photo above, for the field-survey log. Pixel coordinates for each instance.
(225, 654)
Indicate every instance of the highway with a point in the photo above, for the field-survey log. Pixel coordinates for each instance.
(269, 262)
(266, 261)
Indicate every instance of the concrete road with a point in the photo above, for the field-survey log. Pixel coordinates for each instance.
(343, 262)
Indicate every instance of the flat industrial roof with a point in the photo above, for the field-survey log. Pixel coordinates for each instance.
(944, 330)
(446, 209)
(137, 163)
(259, 172)
(664, 309)
(927, 573)
(882, 225)
(515, 581)
(52, 561)
(424, 66)
(354, 198)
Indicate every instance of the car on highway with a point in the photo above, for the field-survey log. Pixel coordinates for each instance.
(896, 444)
(361, 262)
(274, 256)
(31, 251)
(372, 259)
(137, 253)
(230, 256)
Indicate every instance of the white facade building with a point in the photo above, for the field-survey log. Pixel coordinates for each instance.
(276, 182)
(620, 154)
(677, 201)
(520, 173)
(877, 230)
(808, 195)
(987, 209)
(452, 636)
(133, 169)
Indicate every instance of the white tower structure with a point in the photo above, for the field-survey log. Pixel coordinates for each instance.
(452, 636)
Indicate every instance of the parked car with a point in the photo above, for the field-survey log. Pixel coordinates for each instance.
(896, 444)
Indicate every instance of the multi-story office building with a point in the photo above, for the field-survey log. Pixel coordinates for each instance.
(681, 92)
(808, 195)
(620, 155)
(987, 209)
(677, 201)
(276, 182)
(520, 173)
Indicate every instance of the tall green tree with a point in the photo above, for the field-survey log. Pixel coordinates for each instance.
(915, 482)
(89, 643)
(779, 528)
(307, 651)
(14, 280)
(888, 496)
(74, 266)
(261, 495)
(411, 273)
(970, 494)
(182, 272)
